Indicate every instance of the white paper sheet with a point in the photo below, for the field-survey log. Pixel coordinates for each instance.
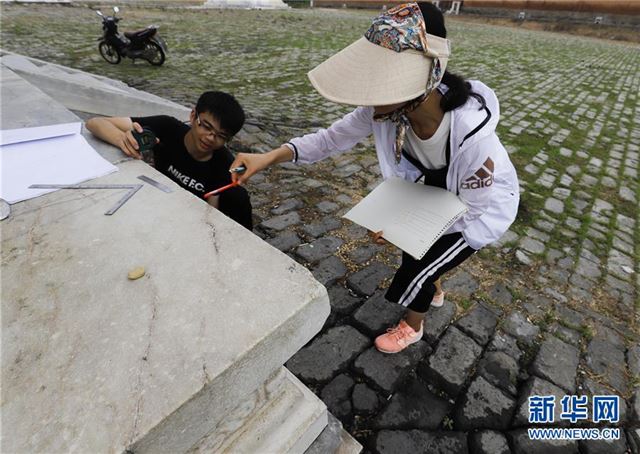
(9, 136)
(412, 216)
(62, 159)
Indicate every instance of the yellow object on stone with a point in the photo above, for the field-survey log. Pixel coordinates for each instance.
(136, 273)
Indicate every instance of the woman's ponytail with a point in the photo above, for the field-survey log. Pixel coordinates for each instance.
(459, 89)
(458, 93)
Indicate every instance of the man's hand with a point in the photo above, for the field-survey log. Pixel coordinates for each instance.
(117, 132)
(128, 143)
(376, 237)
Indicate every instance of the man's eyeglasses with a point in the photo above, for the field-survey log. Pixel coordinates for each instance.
(211, 130)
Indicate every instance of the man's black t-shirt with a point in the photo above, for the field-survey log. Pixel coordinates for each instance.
(172, 158)
(198, 177)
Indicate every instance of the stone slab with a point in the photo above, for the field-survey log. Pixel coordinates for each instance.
(608, 361)
(386, 371)
(437, 320)
(112, 364)
(538, 387)
(319, 249)
(451, 363)
(377, 314)
(488, 442)
(337, 396)
(282, 415)
(604, 446)
(163, 334)
(519, 327)
(91, 93)
(364, 399)
(334, 440)
(329, 354)
(414, 407)
(420, 442)
(522, 444)
(502, 342)
(484, 407)
(499, 369)
(365, 281)
(478, 323)
(557, 362)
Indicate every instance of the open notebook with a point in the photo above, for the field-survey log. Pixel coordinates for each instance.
(412, 216)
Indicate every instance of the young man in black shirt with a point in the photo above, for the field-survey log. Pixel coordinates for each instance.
(193, 155)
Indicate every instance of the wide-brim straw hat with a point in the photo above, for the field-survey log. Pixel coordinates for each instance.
(368, 74)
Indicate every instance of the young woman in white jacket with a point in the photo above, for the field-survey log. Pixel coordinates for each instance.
(429, 125)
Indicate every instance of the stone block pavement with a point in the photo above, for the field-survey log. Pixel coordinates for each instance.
(551, 309)
(507, 331)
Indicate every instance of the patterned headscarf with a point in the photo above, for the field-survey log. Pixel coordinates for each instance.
(399, 29)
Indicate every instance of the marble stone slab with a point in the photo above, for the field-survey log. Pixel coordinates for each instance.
(95, 362)
(281, 416)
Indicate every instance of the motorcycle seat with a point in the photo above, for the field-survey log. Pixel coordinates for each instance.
(149, 31)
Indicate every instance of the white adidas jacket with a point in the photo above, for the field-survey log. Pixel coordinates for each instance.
(480, 171)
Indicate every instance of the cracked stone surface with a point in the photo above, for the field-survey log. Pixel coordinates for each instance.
(337, 396)
(519, 327)
(524, 445)
(484, 406)
(557, 362)
(451, 362)
(376, 315)
(607, 360)
(319, 249)
(420, 442)
(328, 354)
(479, 324)
(386, 371)
(365, 281)
(537, 387)
(437, 320)
(501, 370)
(414, 406)
(488, 442)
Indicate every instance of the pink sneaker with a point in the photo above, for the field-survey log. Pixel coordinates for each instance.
(438, 300)
(398, 338)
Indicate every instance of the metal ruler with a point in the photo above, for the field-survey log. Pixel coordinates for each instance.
(154, 183)
(133, 188)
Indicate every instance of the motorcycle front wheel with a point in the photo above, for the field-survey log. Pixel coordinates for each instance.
(109, 52)
(154, 54)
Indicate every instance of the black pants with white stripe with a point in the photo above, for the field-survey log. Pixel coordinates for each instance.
(413, 286)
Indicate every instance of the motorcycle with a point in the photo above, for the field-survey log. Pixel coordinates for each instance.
(146, 43)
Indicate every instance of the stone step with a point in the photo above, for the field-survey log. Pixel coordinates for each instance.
(334, 440)
(281, 416)
(50, 70)
(18, 63)
(85, 92)
(27, 65)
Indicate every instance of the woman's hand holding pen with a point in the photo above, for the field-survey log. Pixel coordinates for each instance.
(254, 163)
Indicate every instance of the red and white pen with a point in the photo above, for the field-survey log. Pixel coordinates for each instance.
(223, 188)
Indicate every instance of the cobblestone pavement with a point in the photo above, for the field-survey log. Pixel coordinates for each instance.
(550, 310)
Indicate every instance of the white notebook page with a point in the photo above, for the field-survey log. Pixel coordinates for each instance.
(412, 216)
